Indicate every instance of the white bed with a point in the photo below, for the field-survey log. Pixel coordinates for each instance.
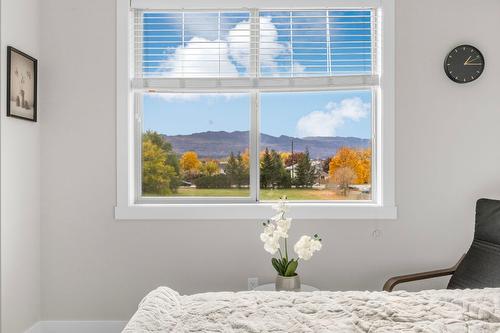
(474, 311)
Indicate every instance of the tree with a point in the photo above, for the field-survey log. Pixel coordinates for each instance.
(343, 177)
(358, 160)
(161, 142)
(232, 169)
(210, 168)
(236, 170)
(245, 157)
(305, 173)
(158, 140)
(285, 180)
(292, 159)
(243, 171)
(158, 178)
(326, 165)
(190, 164)
(364, 167)
(266, 169)
(285, 156)
(277, 170)
(272, 170)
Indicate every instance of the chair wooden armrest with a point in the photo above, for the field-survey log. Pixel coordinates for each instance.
(394, 281)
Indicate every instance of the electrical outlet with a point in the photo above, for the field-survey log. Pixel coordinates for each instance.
(253, 283)
(376, 234)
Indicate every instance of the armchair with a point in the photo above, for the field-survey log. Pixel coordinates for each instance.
(480, 266)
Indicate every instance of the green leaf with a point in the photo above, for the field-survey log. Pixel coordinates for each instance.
(277, 265)
(284, 264)
(292, 266)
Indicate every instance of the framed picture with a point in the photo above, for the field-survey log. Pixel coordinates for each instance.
(21, 85)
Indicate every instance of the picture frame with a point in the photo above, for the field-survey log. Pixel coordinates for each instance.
(22, 81)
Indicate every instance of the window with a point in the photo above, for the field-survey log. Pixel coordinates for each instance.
(242, 106)
(195, 145)
(324, 141)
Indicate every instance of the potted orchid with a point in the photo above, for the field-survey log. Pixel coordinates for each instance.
(275, 238)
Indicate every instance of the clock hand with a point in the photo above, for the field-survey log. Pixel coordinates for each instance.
(467, 61)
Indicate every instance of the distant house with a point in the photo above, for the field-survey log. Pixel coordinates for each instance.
(292, 170)
(321, 176)
(222, 166)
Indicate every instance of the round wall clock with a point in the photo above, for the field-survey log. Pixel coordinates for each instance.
(464, 64)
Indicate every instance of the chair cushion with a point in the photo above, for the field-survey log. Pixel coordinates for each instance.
(480, 267)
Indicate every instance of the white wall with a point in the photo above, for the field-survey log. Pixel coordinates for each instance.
(94, 267)
(20, 182)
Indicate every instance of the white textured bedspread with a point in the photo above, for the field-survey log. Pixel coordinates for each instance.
(164, 310)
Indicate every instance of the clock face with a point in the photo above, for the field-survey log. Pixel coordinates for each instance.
(464, 64)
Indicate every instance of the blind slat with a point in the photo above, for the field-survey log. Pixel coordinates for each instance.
(287, 43)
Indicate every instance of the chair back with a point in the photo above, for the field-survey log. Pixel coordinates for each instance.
(480, 267)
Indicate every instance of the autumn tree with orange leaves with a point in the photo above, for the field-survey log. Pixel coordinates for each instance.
(358, 160)
(190, 164)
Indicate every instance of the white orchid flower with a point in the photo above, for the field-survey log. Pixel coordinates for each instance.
(276, 229)
(282, 227)
(281, 206)
(306, 246)
(271, 242)
(272, 248)
(281, 233)
(269, 229)
(271, 238)
(277, 217)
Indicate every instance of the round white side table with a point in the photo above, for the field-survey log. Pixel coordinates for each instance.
(271, 287)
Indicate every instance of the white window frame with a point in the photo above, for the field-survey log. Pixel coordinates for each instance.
(131, 207)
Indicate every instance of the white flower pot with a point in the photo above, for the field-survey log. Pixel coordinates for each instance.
(291, 283)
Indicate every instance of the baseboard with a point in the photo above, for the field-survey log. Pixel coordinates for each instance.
(77, 327)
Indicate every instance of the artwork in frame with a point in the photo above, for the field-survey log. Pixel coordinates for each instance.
(21, 85)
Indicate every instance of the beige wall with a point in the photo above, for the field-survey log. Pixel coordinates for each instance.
(94, 267)
(20, 182)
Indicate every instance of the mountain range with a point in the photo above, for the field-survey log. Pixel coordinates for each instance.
(220, 144)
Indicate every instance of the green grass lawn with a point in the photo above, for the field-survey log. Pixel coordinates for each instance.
(212, 192)
(269, 194)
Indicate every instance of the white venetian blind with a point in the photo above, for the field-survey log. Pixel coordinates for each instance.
(192, 44)
(278, 43)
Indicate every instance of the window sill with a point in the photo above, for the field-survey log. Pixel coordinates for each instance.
(253, 211)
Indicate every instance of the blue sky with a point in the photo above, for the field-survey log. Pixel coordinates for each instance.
(332, 113)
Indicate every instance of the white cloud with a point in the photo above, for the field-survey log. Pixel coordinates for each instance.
(201, 58)
(239, 43)
(326, 123)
